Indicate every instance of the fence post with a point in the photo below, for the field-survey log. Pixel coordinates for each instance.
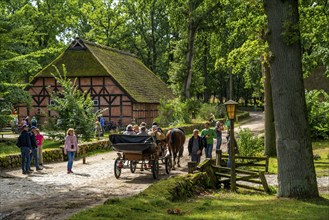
(84, 154)
(266, 164)
(218, 157)
(264, 182)
(191, 166)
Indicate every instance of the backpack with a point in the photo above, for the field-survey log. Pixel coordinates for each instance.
(18, 144)
(204, 141)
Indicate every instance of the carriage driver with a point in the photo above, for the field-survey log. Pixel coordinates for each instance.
(157, 133)
(159, 136)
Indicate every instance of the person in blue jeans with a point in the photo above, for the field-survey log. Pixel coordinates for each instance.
(70, 148)
(218, 129)
(34, 146)
(24, 143)
(195, 146)
(209, 134)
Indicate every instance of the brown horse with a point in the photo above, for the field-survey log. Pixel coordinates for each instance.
(175, 142)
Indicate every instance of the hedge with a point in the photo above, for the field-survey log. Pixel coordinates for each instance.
(51, 155)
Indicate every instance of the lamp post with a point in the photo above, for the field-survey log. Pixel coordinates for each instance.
(1, 100)
(231, 107)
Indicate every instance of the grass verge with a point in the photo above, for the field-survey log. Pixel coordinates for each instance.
(156, 203)
(320, 148)
(9, 147)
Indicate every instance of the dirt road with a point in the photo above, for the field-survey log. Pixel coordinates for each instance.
(54, 194)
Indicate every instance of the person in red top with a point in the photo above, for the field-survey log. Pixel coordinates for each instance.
(39, 138)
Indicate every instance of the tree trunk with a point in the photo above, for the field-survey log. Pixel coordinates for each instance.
(296, 173)
(154, 49)
(206, 93)
(231, 85)
(269, 141)
(190, 53)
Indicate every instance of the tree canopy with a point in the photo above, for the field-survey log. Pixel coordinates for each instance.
(204, 50)
(194, 46)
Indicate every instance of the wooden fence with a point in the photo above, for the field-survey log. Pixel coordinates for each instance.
(243, 161)
(224, 177)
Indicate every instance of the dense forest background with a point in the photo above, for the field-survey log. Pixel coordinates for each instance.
(205, 50)
(192, 45)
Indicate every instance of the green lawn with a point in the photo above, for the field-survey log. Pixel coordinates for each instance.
(220, 205)
(320, 148)
(9, 147)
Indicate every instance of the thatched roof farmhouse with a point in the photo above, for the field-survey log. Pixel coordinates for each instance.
(117, 81)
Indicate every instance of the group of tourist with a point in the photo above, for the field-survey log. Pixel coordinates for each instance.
(142, 130)
(205, 141)
(30, 143)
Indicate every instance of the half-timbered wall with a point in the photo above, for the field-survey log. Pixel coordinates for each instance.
(106, 95)
(145, 112)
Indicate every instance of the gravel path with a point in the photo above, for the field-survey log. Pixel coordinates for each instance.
(54, 194)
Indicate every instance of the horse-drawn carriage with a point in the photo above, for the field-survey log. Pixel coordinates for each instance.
(144, 150)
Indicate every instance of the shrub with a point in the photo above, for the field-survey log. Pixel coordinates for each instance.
(206, 110)
(249, 144)
(74, 109)
(173, 112)
(317, 102)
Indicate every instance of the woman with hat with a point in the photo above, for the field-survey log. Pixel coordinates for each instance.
(129, 130)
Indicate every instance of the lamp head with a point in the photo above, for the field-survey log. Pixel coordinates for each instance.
(231, 107)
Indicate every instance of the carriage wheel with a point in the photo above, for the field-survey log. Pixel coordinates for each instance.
(117, 167)
(168, 164)
(133, 165)
(155, 169)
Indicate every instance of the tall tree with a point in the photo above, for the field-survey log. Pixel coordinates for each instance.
(197, 12)
(269, 137)
(188, 16)
(296, 173)
(103, 19)
(149, 33)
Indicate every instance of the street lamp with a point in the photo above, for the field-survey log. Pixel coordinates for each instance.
(231, 107)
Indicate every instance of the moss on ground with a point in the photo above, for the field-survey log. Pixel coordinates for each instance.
(157, 202)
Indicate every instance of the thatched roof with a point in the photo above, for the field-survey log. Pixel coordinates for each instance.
(84, 58)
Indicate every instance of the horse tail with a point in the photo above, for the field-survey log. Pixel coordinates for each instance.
(172, 138)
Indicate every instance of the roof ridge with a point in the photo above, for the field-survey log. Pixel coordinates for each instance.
(108, 48)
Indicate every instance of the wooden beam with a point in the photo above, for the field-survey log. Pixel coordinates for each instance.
(251, 165)
(222, 175)
(249, 187)
(245, 157)
(264, 182)
(246, 171)
(224, 180)
(251, 181)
